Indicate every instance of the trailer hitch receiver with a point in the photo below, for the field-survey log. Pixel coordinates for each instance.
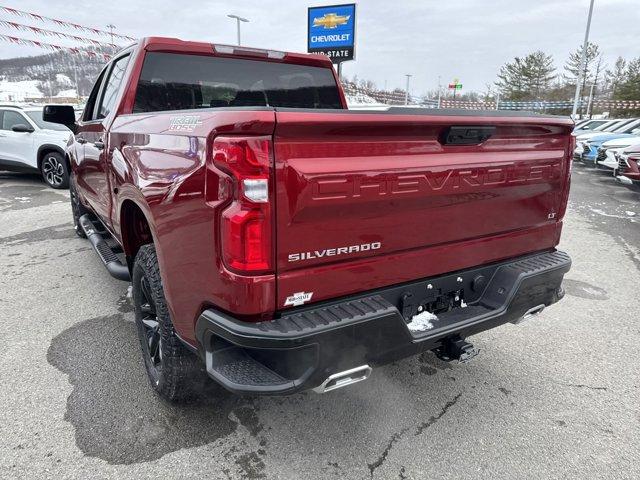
(456, 348)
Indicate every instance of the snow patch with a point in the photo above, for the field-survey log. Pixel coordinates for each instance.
(422, 322)
(67, 93)
(360, 99)
(630, 214)
(19, 91)
(610, 215)
(63, 79)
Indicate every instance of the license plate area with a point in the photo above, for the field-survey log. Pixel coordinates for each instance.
(439, 295)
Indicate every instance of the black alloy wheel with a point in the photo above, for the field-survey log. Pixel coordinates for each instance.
(151, 326)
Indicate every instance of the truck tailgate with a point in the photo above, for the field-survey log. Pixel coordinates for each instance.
(366, 200)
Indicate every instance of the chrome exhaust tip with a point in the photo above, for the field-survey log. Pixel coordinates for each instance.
(532, 312)
(344, 379)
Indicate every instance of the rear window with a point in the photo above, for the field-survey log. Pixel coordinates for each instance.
(172, 81)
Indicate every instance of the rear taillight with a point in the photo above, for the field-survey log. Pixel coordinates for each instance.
(246, 233)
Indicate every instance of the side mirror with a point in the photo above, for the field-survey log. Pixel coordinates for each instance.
(62, 114)
(21, 127)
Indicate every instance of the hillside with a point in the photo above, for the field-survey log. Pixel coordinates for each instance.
(52, 74)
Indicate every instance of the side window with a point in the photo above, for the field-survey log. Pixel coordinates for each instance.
(11, 118)
(91, 101)
(110, 91)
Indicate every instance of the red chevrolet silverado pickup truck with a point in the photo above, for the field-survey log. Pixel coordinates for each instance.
(282, 242)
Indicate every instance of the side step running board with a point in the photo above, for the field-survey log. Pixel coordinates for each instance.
(106, 253)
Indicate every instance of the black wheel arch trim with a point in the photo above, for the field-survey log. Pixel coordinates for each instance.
(50, 147)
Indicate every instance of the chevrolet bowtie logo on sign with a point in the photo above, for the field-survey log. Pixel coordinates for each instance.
(330, 20)
(332, 30)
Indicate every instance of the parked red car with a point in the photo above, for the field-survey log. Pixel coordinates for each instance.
(289, 243)
(628, 170)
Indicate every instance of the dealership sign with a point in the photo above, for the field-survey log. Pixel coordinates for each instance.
(332, 30)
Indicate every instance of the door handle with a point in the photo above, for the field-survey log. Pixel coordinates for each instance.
(99, 144)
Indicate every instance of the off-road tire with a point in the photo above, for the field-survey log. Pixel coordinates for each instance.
(77, 209)
(174, 375)
(55, 171)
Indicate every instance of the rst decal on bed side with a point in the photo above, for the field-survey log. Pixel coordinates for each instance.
(332, 252)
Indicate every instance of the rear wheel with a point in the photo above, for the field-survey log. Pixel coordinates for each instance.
(54, 170)
(171, 367)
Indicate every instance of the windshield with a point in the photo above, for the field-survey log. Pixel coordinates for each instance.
(627, 127)
(592, 124)
(172, 81)
(613, 126)
(36, 117)
(604, 126)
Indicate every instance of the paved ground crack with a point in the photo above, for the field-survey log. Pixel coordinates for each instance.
(582, 385)
(381, 459)
(398, 435)
(433, 419)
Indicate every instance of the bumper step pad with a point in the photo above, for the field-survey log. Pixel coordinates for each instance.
(237, 367)
(320, 319)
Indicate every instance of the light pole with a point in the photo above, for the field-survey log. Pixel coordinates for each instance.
(238, 20)
(582, 62)
(439, 91)
(406, 93)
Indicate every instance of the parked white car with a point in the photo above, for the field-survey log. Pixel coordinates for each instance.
(27, 143)
(609, 153)
(610, 127)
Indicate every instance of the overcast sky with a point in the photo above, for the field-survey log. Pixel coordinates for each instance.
(467, 39)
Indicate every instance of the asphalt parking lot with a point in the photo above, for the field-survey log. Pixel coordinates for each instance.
(554, 398)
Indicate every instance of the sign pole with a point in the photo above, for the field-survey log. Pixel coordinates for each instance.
(406, 92)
